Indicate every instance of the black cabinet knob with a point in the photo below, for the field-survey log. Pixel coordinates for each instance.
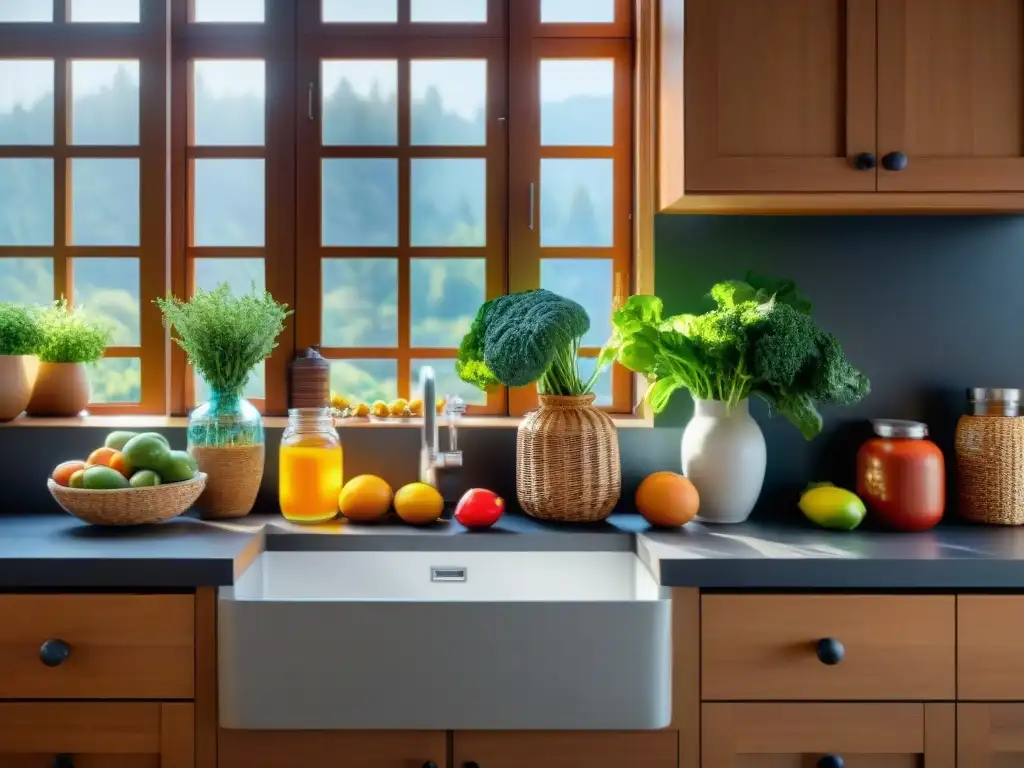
(54, 652)
(830, 651)
(63, 761)
(865, 161)
(894, 161)
(831, 761)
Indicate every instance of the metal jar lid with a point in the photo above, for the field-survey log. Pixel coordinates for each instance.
(898, 428)
(993, 402)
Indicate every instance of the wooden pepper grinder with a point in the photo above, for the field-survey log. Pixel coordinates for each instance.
(310, 376)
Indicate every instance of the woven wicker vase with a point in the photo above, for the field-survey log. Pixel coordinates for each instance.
(990, 469)
(567, 461)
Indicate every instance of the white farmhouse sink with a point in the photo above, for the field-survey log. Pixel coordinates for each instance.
(445, 640)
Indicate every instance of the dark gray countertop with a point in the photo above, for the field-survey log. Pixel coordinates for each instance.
(58, 552)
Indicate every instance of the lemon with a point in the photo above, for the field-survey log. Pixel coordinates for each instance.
(361, 411)
(440, 407)
(338, 401)
(832, 507)
(380, 409)
(365, 498)
(418, 503)
(397, 407)
(416, 407)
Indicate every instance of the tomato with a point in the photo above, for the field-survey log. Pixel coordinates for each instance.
(479, 508)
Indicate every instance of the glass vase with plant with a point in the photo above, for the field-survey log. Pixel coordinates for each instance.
(20, 338)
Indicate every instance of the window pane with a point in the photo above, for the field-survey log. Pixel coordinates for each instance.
(577, 11)
(360, 303)
(104, 10)
(360, 102)
(26, 101)
(446, 293)
(116, 380)
(360, 10)
(108, 291)
(577, 102)
(241, 275)
(230, 202)
(360, 202)
(603, 385)
(459, 11)
(448, 383)
(26, 201)
(26, 10)
(255, 388)
(230, 10)
(449, 198)
(365, 380)
(105, 102)
(229, 100)
(104, 201)
(576, 203)
(26, 281)
(449, 102)
(589, 282)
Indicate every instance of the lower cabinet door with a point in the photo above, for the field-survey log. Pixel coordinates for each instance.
(829, 736)
(566, 749)
(990, 735)
(57, 735)
(332, 749)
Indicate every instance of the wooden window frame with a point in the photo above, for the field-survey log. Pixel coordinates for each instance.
(146, 41)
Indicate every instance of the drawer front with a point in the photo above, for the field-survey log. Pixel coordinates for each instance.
(828, 647)
(331, 749)
(97, 646)
(567, 749)
(990, 648)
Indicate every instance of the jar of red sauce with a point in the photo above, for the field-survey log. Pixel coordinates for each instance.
(901, 476)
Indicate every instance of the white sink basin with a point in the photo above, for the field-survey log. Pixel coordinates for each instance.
(445, 640)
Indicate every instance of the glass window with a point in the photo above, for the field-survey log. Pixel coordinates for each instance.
(228, 98)
(365, 380)
(360, 303)
(588, 282)
(449, 102)
(108, 290)
(577, 102)
(447, 381)
(576, 203)
(446, 294)
(360, 11)
(104, 102)
(104, 201)
(116, 380)
(450, 11)
(577, 11)
(230, 203)
(26, 280)
(104, 10)
(449, 202)
(360, 102)
(360, 202)
(230, 11)
(26, 102)
(26, 10)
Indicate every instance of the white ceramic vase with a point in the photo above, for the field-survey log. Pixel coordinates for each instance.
(724, 456)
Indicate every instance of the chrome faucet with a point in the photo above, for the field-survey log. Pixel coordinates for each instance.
(431, 458)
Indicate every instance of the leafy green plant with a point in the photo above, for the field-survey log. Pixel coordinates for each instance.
(225, 336)
(759, 340)
(20, 333)
(527, 337)
(70, 336)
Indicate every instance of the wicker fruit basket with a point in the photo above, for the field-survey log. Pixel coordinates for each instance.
(129, 506)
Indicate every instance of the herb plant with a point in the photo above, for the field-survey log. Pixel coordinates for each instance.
(759, 340)
(527, 337)
(69, 336)
(225, 336)
(20, 333)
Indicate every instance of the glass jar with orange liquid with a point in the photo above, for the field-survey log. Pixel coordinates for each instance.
(309, 477)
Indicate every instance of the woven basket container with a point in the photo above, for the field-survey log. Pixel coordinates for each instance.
(235, 474)
(129, 506)
(567, 461)
(990, 469)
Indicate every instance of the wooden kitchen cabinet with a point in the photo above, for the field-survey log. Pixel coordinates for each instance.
(100, 735)
(333, 749)
(800, 735)
(990, 656)
(990, 735)
(557, 749)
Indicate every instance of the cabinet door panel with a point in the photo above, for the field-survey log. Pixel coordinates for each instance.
(990, 735)
(798, 735)
(951, 94)
(779, 96)
(331, 749)
(575, 749)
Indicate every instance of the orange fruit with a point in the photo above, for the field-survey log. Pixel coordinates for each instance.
(117, 462)
(101, 457)
(418, 503)
(62, 474)
(667, 499)
(365, 499)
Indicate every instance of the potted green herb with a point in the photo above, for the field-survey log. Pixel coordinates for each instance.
(20, 339)
(225, 337)
(760, 340)
(567, 456)
(70, 341)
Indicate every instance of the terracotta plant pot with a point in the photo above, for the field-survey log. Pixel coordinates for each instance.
(62, 389)
(17, 378)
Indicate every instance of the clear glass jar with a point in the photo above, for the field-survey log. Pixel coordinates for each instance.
(310, 476)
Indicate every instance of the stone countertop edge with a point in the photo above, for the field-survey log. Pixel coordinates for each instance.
(59, 552)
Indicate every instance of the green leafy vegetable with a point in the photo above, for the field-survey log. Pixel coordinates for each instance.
(759, 340)
(69, 336)
(20, 333)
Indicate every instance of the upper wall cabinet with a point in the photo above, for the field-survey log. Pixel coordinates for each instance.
(841, 105)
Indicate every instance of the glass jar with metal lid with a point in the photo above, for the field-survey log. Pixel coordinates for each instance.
(990, 457)
(901, 476)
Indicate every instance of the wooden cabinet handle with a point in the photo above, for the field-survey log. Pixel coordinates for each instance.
(865, 161)
(895, 161)
(54, 652)
(831, 761)
(830, 651)
(63, 761)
